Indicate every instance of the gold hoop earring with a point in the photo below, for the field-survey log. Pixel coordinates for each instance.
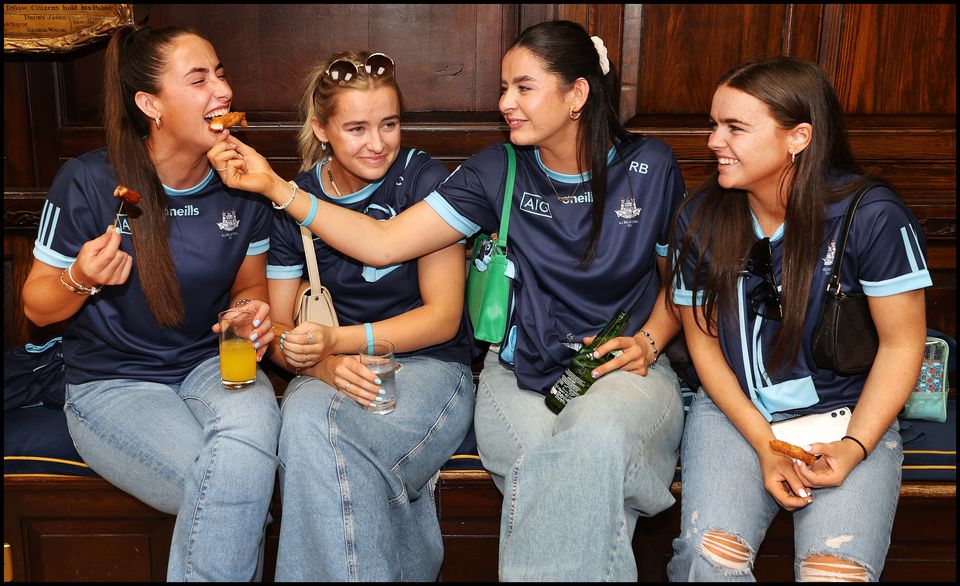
(574, 115)
(157, 120)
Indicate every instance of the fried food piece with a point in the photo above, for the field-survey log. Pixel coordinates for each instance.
(228, 120)
(792, 451)
(126, 194)
(278, 330)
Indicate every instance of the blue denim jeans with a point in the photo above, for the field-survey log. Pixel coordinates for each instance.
(194, 450)
(723, 492)
(574, 484)
(357, 487)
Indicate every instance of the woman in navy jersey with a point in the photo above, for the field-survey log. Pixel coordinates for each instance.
(755, 248)
(588, 234)
(144, 403)
(357, 486)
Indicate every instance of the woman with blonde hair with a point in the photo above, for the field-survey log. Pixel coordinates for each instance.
(355, 476)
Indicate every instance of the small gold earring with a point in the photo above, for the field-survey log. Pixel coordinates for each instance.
(574, 115)
(157, 120)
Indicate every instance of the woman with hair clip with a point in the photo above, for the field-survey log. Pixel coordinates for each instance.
(755, 249)
(144, 403)
(357, 486)
(574, 483)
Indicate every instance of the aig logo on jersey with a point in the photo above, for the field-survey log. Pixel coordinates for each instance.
(535, 204)
(123, 224)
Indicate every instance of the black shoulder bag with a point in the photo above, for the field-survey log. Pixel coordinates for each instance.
(845, 339)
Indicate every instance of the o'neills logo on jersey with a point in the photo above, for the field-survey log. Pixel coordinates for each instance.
(535, 204)
(228, 223)
(187, 210)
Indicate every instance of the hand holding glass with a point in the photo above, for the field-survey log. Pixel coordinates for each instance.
(377, 356)
(238, 358)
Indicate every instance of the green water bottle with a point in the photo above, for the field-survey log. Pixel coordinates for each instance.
(577, 378)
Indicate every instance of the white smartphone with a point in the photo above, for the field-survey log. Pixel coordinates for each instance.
(817, 428)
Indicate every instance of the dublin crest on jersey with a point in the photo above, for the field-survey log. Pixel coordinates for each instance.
(228, 221)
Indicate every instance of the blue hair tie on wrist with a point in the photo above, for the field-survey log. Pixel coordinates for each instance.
(369, 329)
(313, 211)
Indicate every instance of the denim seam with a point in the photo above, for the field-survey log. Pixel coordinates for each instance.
(349, 538)
(614, 551)
(652, 430)
(503, 418)
(201, 494)
(441, 419)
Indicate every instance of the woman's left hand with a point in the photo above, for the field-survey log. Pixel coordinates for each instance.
(262, 333)
(635, 357)
(306, 344)
(837, 460)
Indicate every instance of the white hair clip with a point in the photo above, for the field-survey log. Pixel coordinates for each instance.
(602, 52)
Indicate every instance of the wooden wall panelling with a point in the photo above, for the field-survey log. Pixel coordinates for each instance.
(909, 46)
(18, 167)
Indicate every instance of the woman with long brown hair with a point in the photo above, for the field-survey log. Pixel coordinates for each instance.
(588, 233)
(755, 247)
(141, 285)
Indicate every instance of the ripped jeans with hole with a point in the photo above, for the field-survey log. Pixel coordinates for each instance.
(723, 493)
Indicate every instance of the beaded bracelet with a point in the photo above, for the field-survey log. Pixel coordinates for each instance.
(293, 196)
(656, 353)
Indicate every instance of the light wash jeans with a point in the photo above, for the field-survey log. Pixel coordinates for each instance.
(194, 450)
(574, 484)
(723, 491)
(357, 487)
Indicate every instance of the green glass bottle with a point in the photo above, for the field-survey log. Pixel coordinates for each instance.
(577, 378)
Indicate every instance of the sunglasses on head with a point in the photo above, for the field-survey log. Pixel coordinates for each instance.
(376, 65)
(765, 297)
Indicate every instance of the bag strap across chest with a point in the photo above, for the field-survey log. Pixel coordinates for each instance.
(310, 255)
(507, 195)
(834, 281)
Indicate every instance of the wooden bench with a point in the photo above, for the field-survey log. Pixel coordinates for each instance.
(65, 527)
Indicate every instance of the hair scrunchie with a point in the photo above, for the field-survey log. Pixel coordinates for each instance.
(602, 52)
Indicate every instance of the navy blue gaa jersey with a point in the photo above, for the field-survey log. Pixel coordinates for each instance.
(884, 256)
(557, 302)
(363, 293)
(212, 230)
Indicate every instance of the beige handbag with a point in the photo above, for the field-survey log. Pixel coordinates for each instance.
(314, 302)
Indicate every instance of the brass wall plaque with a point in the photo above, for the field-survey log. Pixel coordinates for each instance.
(43, 28)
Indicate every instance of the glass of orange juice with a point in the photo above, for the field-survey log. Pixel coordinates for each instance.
(238, 359)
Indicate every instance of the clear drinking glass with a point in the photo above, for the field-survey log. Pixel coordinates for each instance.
(377, 355)
(238, 358)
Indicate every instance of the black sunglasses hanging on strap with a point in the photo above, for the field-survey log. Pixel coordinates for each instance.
(845, 339)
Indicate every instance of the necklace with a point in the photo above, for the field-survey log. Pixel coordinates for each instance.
(563, 199)
(330, 177)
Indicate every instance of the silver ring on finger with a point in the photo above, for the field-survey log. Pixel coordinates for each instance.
(310, 337)
(347, 388)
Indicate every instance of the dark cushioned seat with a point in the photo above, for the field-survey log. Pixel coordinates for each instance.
(35, 441)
